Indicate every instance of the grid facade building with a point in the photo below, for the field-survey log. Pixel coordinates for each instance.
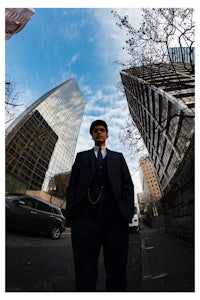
(150, 184)
(161, 103)
(16, 19)
(41, 142)
(182, 54)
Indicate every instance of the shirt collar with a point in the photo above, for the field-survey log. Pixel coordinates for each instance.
(97, 148)
(103, 151)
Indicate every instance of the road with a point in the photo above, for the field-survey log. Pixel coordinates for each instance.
(156, 263)
(37, 264)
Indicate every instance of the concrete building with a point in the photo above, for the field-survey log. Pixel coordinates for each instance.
(16, 19)
(150, 184)
(41, 142)
(161, 103)
(141, 201)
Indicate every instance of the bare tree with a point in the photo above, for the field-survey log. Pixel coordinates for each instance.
(11, 99)
(131, 137)
(160, 30)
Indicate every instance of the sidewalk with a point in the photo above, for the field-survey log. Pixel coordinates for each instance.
(167, 263)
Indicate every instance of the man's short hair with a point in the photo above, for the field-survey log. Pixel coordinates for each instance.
(96, 123)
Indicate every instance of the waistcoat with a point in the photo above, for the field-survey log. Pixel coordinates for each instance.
(100, 185)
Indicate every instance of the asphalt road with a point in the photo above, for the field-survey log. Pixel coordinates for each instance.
(37, 264)
(156, 263)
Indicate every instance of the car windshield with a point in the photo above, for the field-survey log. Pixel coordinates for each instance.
(8, 197)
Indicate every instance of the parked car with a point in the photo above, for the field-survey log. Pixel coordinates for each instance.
(32, 214)
(67, 222)
(135, 223)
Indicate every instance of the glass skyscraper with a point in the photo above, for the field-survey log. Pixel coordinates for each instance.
(41, 142)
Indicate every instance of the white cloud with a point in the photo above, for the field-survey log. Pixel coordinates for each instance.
(74, 58)
(109, 107)
(104, 100)
(92, 39)
(114, 37)
(87, 90)
(113, 108)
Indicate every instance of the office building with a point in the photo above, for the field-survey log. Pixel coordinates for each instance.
(16, 19)
(150, 184)
(161, 103)
(141, 201)
(41, 142)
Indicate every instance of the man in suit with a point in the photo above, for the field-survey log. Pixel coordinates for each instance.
(100, 204)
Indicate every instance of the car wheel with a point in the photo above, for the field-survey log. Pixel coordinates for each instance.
(55, 232)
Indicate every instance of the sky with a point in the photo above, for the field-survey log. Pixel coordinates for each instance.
(82, 42)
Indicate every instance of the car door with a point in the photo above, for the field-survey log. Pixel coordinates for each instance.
(25, 214)
(45, 216)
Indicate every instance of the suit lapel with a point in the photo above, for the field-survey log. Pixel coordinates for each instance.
(113, 161)
(92, 158)
(109, 159)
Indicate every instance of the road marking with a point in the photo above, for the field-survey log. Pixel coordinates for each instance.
(147, 276)
(159, 276)
(154, 277)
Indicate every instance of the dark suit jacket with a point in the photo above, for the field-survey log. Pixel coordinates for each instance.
(119, 176)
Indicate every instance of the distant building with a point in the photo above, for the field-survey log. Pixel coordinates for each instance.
(58, 185)
(16, 19)
(161, 102)
(41, 142)
(141, 201)
(150, 184)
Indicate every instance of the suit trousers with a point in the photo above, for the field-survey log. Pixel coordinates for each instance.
(99, 226)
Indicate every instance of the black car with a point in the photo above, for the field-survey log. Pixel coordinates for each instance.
(29, 213)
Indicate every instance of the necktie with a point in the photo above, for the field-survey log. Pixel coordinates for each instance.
(100, 157)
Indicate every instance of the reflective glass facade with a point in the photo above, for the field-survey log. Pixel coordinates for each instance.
(41, 142)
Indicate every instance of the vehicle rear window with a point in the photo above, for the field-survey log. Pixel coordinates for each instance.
(44, 207)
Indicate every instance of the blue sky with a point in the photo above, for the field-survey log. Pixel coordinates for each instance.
(60, 43)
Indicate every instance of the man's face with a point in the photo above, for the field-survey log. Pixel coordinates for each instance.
(99, 135)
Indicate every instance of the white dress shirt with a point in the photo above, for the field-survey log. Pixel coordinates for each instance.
(103, 151)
